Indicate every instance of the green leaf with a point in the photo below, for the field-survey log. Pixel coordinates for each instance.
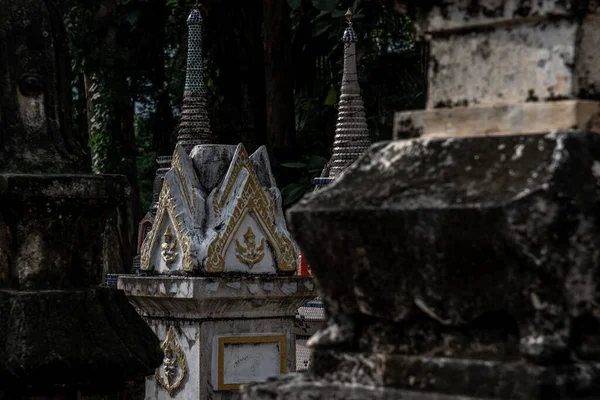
(331, 97)
(292, 192)
(294, 4)
(325, 5)
(294, 165)
(322, 15)
(322, 27)
(316, 162)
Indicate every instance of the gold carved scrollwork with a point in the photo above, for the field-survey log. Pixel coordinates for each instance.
(253, 198)
(170, 376)
(166, 209)
(187, 263)
(176, 163)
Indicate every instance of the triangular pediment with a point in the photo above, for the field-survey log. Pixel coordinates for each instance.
(238, 227)
(172, 231)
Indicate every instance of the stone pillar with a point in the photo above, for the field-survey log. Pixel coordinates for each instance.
(219, 288)
(507, 67)
(464, 264)
(61, 334)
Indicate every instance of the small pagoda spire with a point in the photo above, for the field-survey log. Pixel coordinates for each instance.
(351, 132)
(194, 127)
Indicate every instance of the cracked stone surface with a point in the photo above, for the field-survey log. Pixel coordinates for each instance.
(447, 262)
(461, 229)
(61, 229)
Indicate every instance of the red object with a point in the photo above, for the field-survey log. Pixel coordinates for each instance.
(304, 268)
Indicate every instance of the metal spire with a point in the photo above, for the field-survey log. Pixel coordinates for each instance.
(194, 127)
(351, 133)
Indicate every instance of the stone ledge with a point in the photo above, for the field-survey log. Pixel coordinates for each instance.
(467, 14)
(65, 186)
(303, 386)
(495, 379)
(79, 338)
(219, 297)
(514, 119)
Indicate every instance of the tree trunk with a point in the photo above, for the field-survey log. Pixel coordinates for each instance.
(239, 109)
(163, 138)
(110, 79)
(279, 83)
(278, 75)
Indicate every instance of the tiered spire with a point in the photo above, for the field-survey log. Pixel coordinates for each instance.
(351, 132)
(194, 127)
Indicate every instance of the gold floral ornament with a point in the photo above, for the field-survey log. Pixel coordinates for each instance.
(173, 367)
(166, 212)
(168, 247)
(250, 254)
(254, 200)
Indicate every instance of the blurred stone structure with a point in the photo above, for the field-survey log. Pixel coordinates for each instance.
(461, 260)
(61, 334)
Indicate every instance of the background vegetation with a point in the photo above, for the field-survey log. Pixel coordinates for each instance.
(272, 67)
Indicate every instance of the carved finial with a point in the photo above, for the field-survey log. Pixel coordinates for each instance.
(194, 127)
(174, 368)
(348, 17)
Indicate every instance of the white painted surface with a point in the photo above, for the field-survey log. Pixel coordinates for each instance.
(250, 362)
(266, 265)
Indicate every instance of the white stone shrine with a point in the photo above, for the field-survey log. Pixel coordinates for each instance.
(217, 282)
(219, 288)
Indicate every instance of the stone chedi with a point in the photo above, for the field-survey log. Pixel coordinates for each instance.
(60, 333)
(194, 126)
(351, 132)
(218, 266)
(465, 264)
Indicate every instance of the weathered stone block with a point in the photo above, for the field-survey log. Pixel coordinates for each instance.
(494, 52)
(477, 378)
(505, 65)
(53, 229)
(90, 339)
(301, 386)
(443, 16)
(422, 242)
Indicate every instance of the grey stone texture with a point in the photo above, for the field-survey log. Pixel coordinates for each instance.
(227, 297)
(458, 267)
(467, 267)
(52, 229)
(489, 52)
(90, 339)
(61, 230)
(474, 226)
(202, 309)
(499, 120)
(36, 135)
